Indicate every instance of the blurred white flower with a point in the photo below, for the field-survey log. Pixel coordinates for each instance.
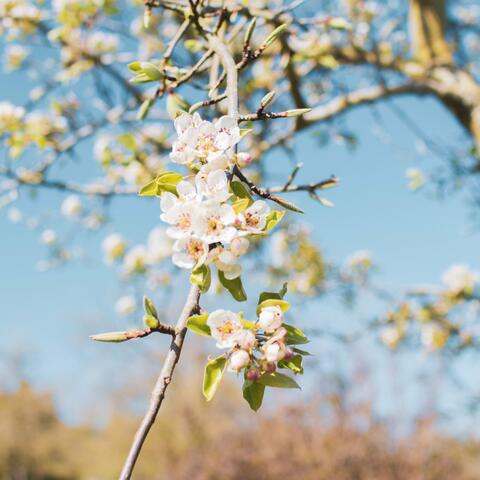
(434, 336)
(416, 178)
(460, 278)
(71, 206)
(48, 237)
(135, 260)
(113, 247)
(126, 305)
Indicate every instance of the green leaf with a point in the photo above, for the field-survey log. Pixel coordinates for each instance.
(249, 32)
(149, 189)
(294, 364)
(149, 307)
(140, 78)
(253, 394)
(134, 66)
(150, 321)
(115, 337)
(241, 204)
(198, 324)
(234, 286)
(273, 218)
(295, 336)
(275, 34)
(273, 302)
(151, 71)
(302, 352)
(213, 375)
(273, 295)
(277, 380)
(240, 190)
(144, 109)
(202, 277)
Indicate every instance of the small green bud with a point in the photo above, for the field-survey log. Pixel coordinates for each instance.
(176, 105)
(267, 99)
(149, 307)
(115, 337)
(297, 112)
(249, 32)
(151, 71)
(144, 109)
(150, 321)
(274, 35)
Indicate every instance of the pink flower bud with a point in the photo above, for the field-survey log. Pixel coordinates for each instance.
(269, 367)
(274, 351)
(253, 374)
(289, 353)
(244, 159)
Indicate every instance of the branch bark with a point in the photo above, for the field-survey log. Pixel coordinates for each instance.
(163, 381)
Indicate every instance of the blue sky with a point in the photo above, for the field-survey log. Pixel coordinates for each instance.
(413, 237)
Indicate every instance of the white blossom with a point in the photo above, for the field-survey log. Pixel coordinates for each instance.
(214, 222)
(238, 359)
(213, 185)
(245, 339)
(48, 237)
(239, 246)
(224, 326)
(71, 206)
(434, 336)
(135, 260)
(226, 262)
(274, 351)
(126, 305)
(254, 218)
(159, 245)
(113, 247)
(189, 252)
(270, 318)
(460, 278)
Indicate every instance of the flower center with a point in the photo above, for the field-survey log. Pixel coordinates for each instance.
(214, 225)
(195, 249)
(184, 221)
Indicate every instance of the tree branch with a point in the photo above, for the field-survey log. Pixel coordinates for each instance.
(158, 393)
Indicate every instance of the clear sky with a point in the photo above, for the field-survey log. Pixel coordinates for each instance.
(413, 237)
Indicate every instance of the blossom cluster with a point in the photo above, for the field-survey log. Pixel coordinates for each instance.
(228, 330)
(444, 316)
(259, 349)
(208, 214)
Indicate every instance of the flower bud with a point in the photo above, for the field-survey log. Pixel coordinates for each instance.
(244, 159)
(253, 374)
(238, 360)
(270, 318)
(269, 367)
(239, 246)
(289, 353)
(275, 351)
(245, 339)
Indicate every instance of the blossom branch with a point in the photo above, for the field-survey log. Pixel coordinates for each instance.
(192, 303)
(158, 394)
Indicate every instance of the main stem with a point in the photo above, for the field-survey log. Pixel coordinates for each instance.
(193, 298)
(158, 393)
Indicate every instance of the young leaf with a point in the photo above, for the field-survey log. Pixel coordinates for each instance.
(253, 394)
(150, 321)
(149, 189)
(278, 380)
(234, 286)
(302, 352)
(295, 336)
(275, 34)
(202, 277)
(241, 204)
(144, 109)
(149, 307)
(273, 218)
(198, 324)
(273, 295)
(151, 71)
(297, 112)
(240, 190)
(249, 32)
(273, 302)
(213, 375)
(134, 67)
(294, 364)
